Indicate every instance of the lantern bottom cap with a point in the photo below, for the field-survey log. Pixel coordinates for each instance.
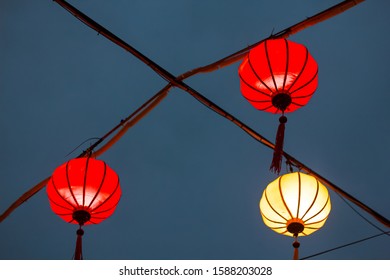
(295, 226)
(281, 101)
(81, 216)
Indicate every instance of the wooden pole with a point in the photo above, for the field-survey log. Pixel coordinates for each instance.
(177, 81)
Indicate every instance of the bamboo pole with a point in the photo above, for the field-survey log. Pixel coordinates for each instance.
(337, 9)
(310, 21)
(178, 82)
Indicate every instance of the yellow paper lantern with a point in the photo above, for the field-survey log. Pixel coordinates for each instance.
(295, 204)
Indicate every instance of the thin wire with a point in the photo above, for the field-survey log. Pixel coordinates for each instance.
(361, 216)
(92, 138)
(346, 245)
(289, 168)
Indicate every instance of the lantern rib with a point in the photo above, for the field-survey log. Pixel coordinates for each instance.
(107, 210)
(273, 209)
(326, 203)
(313, 228)
(100, 186)
(109, 197)
(69, 186)
(302, 96)
(62, 216)
(266, 108)
(61, 206)
(299, 194)
(257, 101)
(255, 89)
(287, 63)
(282, 197)
(270, 106)
(297, 104)
(260, 101)
(272, 221)
(85, 179)
(324, 219)
(307, 83)
(300, 72)
(270, 67)
(257, 76)
(283, 227)
(63, 198)
(314, 200)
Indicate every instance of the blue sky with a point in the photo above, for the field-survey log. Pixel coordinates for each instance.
(191, 180)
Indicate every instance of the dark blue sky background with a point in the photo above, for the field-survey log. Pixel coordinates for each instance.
(191, 180)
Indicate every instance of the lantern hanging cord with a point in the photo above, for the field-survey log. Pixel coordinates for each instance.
(89, 139)
(289, 166)
(346, 245)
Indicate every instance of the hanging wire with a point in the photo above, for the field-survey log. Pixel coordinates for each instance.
(89, 139)
(361, 216)
(345, 245)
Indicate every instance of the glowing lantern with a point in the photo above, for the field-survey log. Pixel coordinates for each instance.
(83, 191)
(278, 76)
(295, 204)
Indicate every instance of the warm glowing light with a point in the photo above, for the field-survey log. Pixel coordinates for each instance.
(295, 203)
(84, 190)
(278, 68)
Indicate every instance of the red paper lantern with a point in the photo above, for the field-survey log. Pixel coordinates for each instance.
(278, 76)
(83, 191)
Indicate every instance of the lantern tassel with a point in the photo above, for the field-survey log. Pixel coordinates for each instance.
(276, 164)
(296, 245)
(78, 254)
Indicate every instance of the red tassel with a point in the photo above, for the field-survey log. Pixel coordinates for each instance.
(296, 246)
(276, 164)
(78, 254)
